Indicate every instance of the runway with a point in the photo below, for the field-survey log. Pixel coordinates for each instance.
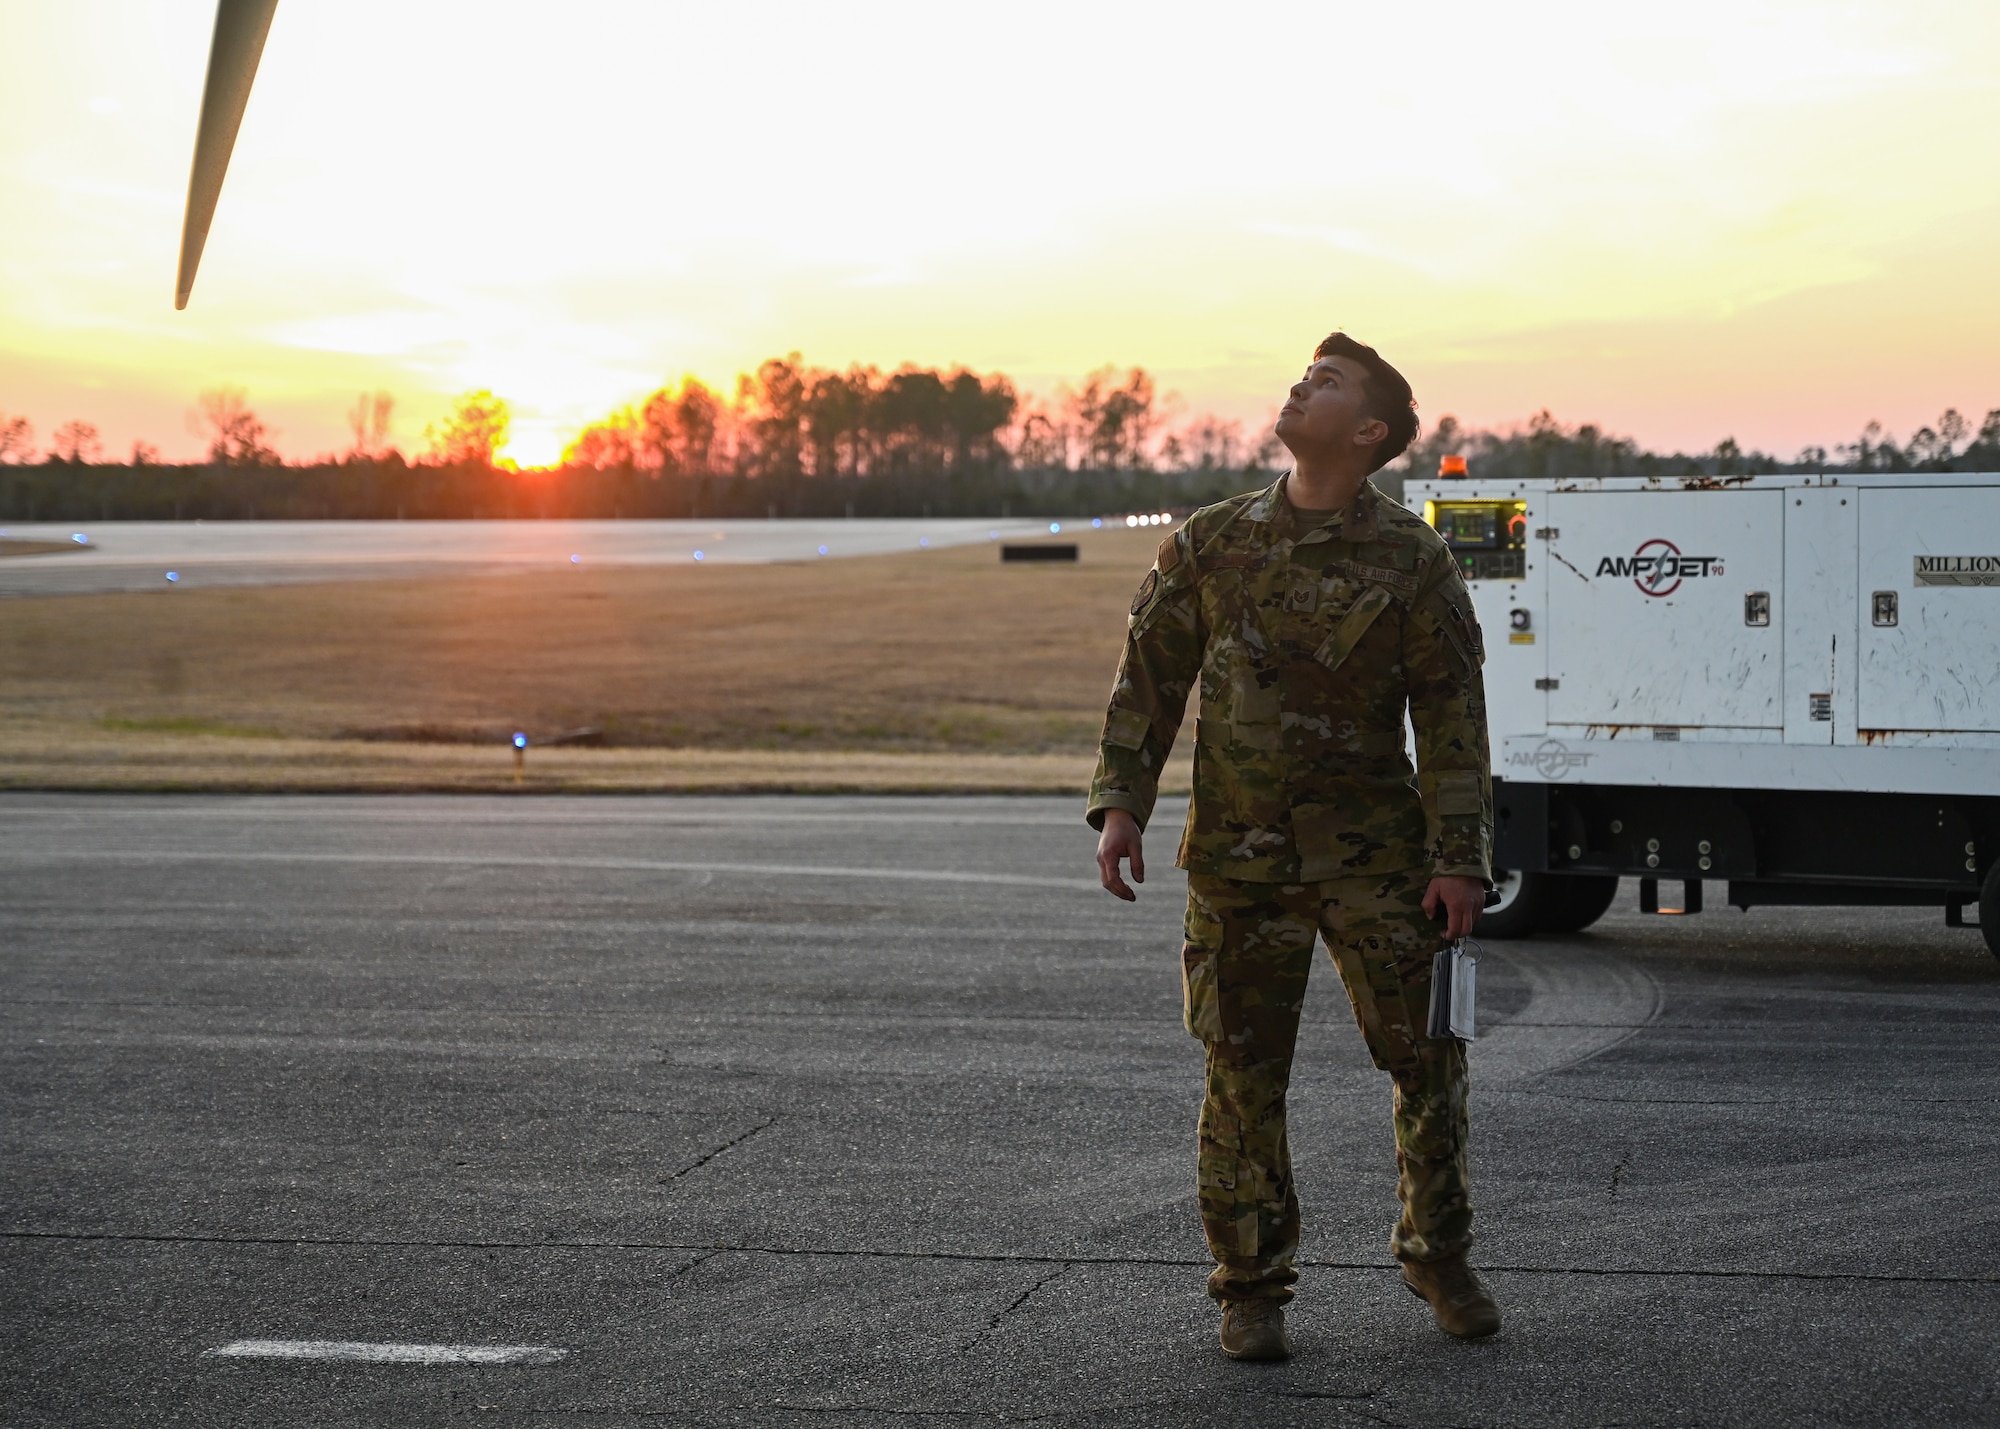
(621, 1111)
(138, 555)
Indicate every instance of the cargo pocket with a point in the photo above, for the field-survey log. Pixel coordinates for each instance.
(1380, 998)
(1221, 1137)
(1201, 993)
(1361, 997)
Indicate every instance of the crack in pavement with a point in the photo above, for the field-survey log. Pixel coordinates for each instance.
(1026, 1295)
(708, 1411)
(1016, 1303)
(702, 1161)
(695, 1264)
(972, 1257)
(993, 1414)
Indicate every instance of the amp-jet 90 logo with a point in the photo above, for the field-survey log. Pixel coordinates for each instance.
(1658, 567)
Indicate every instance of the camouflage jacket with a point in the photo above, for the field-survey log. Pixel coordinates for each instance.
(1308, 644)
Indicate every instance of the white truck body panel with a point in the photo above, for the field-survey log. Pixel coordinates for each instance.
(1820, 535)
(1641, 663)
(1950, 607)
(1645, 621)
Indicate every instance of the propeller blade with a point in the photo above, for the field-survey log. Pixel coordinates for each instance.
(240, 28)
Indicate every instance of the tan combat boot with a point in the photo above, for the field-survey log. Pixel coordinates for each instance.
(1458, 1298)
(1254, 1330)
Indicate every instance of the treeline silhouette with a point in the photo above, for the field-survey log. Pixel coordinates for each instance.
(795, 440)
(1545, 447)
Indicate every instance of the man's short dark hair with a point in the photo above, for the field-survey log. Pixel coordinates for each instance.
(1389, 396)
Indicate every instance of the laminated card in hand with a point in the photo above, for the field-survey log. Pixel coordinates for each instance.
(1452, 974)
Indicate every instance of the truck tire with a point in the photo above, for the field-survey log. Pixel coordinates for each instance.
(1989, 910)
(1577, 900)
(1518, 914)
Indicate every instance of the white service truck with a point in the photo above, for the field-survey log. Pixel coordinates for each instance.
(1786, 684)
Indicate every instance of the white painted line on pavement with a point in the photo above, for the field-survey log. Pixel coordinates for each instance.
(625, 865)
(363, 1350)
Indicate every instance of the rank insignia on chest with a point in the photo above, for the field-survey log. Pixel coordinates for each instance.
(1304, 595)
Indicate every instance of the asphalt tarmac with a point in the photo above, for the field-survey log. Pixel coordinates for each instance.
(783, 1111)
(138, 555)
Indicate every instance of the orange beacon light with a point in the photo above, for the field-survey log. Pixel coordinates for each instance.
(1451, 466)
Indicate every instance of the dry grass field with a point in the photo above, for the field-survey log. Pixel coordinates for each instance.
(939, 670)
(9, 546)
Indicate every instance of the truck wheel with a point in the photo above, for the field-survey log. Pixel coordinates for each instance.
(1577, 900)
(1989, 910)
(1518, 914)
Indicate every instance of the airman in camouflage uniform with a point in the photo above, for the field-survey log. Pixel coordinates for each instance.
(1308, 638)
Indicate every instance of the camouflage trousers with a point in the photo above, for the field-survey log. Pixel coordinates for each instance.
(1244, 967)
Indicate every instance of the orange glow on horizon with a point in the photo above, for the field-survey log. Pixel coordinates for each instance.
(1767, 219)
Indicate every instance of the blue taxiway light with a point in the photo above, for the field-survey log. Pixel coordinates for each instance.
(1055, 526)
(923, 540)
(697, 555)
(822, 550)
(1097, 523)
(173, 575)
(576, 560)
(520, 741)
(80, 539)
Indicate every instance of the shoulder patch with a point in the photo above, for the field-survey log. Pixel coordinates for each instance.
(1146, 588)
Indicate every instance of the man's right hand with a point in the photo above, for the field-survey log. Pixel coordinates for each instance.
(1120, 841)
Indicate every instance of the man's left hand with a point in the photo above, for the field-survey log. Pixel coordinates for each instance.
(1459, 898)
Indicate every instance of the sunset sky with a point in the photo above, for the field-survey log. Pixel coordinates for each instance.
(1774, 221)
